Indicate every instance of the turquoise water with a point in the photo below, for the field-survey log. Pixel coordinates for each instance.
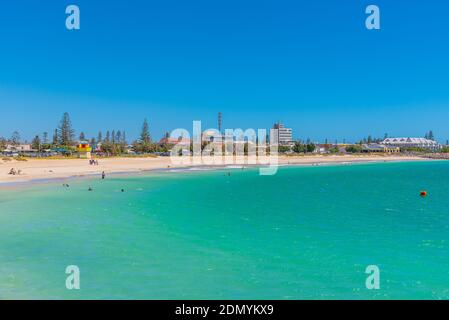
(304, 233)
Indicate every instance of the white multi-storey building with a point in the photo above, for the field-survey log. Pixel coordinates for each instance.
(285, 135)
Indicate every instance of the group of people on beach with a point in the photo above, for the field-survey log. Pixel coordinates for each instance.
(93, 162)
(15, 172)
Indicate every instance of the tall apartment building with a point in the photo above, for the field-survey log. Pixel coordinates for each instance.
(285, 135)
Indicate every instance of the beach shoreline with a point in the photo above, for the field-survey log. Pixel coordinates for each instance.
(35, 171)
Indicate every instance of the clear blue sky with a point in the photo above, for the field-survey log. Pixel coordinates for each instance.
(311, 64)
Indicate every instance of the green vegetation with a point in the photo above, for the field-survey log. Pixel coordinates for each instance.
(65, 132)
(36, 143)
(353, 149)
(334, 150)
(304, 148)
(283, 149)
(2, 143)
(144, 145)
(15, 138)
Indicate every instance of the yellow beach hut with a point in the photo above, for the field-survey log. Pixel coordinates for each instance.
(84, 150)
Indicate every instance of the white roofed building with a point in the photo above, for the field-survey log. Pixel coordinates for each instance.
(412, 143)
(19, 148)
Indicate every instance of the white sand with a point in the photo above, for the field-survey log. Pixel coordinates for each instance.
(34, 169)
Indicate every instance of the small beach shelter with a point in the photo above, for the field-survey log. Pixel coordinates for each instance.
(84, 150)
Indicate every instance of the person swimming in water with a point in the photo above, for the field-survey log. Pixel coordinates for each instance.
(103, 175)
(90, 189)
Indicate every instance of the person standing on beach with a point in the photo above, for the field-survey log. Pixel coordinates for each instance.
(103, 175)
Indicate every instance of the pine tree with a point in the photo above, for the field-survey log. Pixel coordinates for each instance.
(36, 143)
(65, 132)
(108, 137)
(55, 137)
(431, 137)
(45, 137)
(118, 137)
(113, 136)
(15, 138)
(124, 137)
(2, 143)
(145, 133)
(99, 137)
(82, 136)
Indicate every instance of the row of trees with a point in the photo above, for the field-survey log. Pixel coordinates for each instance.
(113, 142)
(304, 148)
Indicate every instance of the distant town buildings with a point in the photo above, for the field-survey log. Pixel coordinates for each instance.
(285, 135)
(212, 135)
(18, 148)
(11, 150)
(179, 140)
(421, 143)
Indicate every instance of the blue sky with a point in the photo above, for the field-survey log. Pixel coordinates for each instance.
(311, 64)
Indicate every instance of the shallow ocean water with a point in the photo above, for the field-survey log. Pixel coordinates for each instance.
(304, 233)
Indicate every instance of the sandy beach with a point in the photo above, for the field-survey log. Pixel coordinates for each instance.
(44, 169)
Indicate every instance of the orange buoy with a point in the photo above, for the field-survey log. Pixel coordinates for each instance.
(423, 193)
